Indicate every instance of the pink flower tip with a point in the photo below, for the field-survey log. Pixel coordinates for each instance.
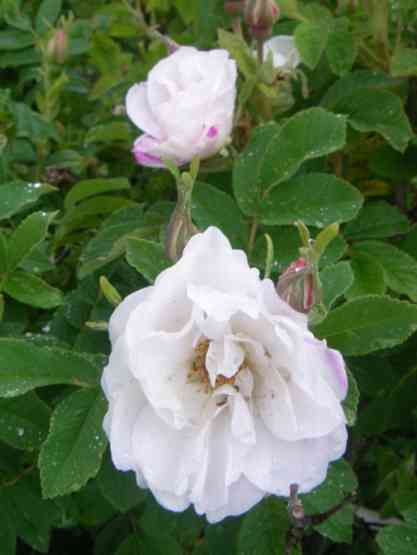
(212, 132)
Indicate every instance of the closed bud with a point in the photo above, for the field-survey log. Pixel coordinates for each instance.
(261, 15)
(179, 232)
(234, 7)
(296, 286)
(57, 47)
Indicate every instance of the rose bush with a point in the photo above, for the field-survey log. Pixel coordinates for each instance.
(218, 392)
(185, 108)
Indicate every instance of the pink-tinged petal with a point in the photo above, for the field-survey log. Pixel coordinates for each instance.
(143, 152)
(139, 110)
(212, 132)
(337, 364)
(329, 363)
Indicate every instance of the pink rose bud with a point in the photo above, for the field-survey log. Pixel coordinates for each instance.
(261, 15)
(296, 286)
(57, 47)
(233, 7)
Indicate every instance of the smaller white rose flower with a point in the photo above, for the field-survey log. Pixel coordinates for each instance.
(218, 393)
(284, 52)
(185, 108)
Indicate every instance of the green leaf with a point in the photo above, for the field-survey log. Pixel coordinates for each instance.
(222, 537)
(211, 206)
(398, 540)
(17, 195)
(109, 133)
(92, 187)
(341, 49)
(339, 527)
(94, 509)
(354, 81)
(7, 528)
(147, 257)
(377, 219)
(208, 19)
(131, 546)
(311, 40)
(119, 488)
(24, 421)
(13, 39)
(239, 51)
(27, 236)
(24, 366)
(275, 154)
(404, 62)
(340, 482)
(110, 241)
(393, 408)
(400, 268)
(75, 445)
(32, 290)
(178, 528)
(264, 528)
(20, 58)
(367, 324)
(289, 8)
(369, 277)
(335, 280)
(33, 515)
(48, 13)
(317, 199)
(351, 403)
(377, 111)
(88, 215)
(390, 164)
(30, 124)
(4, 254)
(409, 244)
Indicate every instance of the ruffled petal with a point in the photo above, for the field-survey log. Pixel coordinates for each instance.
(273, 465)
(121, 315)
(140, 112)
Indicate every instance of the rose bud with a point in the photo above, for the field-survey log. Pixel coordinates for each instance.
(234, 7)
(296, 286)
(57, 47)
(185, 108)
(261, 15)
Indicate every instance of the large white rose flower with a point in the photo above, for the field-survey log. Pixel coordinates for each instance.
(218, 393)
(185, 108)
(285, 55)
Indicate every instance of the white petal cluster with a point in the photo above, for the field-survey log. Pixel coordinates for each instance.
(218, 392)
(285, 55)
(185, 108)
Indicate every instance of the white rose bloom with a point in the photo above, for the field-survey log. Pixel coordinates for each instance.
(185, 108)
(284, 53)
(218, 393)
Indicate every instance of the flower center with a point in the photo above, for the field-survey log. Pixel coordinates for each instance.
(199, 370)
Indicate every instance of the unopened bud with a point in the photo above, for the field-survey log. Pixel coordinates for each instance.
(57, 47)
(296, 286)
(109, 291)
(179, 232)
(261, 15)
(234, 7)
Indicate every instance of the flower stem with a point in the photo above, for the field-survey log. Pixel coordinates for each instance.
(252, 234)
(260, 49)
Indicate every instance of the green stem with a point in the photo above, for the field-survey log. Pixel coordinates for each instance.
(252, 234)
